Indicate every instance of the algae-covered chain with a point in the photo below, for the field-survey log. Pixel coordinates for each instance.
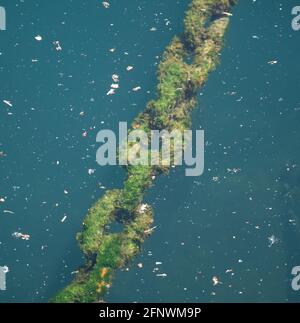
(178, 83)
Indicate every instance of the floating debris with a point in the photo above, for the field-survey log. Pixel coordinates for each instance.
(2, 199)
(2, 154)
(115, 86)
(66, 192)
(38, 38)
(115, 78)
(91, 171)
(228, 14)
(129, 68)
(140, 265)
(63, 219)
(162, 275)
(153, 29)
(111, 92)
(19, 235)
(216, 281)
(112, 50)
(272, 240)
(272, 62)
(8, 211)
(5, 269)
(8, 103)
(158, 263)
(106, 4)
(57, 45)
(149, 231)
(137, 88)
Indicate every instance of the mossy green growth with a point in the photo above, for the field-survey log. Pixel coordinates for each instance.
(185, 67)
(101, 214)
(139, 178)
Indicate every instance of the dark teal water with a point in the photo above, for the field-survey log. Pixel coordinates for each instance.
(216, 225)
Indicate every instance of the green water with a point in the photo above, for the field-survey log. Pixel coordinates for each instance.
(214, 225)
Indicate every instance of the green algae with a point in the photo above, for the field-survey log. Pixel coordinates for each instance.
(178, 82)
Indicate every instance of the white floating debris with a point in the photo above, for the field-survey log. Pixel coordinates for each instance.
(5, 269)
(111, 92)
(273, 62)
(140, 265)
(115, 78)
(106, 4)
(161, 275)
(112, 50)
(8, 103)
(2, 199)
(216, 281)
(158, 263)
(129, 68)
(153, 29)
(228, 14)
(115, 86)
(228, 271)
(57, 45)
(91, 171)
(137, 88)
(150, 230)
(20, 235)
(8, 211)
(74, 272)
(272, 240)
(63, 219)
(38, 37)
(66, 192)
